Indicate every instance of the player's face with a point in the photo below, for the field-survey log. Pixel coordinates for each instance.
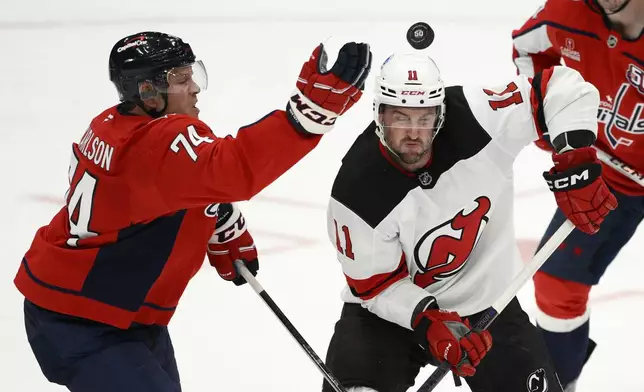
(409, 131)
(182, 92)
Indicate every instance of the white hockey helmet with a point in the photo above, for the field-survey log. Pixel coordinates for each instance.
(409, 80)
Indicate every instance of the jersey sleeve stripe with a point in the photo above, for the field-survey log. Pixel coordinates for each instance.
(518, 33)
(524, 64)
(538, 92)
(534, 41)
(366, 289)
(258, 121)
(630, 56)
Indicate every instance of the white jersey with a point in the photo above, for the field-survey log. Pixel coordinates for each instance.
(447, 229)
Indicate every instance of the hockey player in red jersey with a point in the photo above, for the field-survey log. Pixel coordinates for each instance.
(152, 190)
(602, 40)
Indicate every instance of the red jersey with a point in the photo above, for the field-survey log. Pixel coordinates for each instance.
(577, 33)
(140, 209)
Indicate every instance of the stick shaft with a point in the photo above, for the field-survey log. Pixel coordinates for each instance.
(621, 167)
(330, 378)
(508, 294)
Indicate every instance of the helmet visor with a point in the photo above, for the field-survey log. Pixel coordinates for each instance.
(403, 117)
(191, 78)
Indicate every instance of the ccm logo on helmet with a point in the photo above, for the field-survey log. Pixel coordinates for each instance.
(571, 181)
(406, 92)
(131, 44)
(310, 113)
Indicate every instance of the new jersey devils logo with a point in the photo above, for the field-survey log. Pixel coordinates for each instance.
(447, 254)
(537, 381)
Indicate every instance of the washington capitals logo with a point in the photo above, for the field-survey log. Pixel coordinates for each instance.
(617, 125)
(448, 246)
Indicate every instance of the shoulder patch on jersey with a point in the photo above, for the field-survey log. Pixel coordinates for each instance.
(367, 183)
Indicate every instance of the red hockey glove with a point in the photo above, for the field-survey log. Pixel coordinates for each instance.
(448, 337)
(581, 193)
(322, 95)
(231, 241)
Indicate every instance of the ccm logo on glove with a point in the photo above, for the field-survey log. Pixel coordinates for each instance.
(580, 192)
(574, 180)
(312, 114)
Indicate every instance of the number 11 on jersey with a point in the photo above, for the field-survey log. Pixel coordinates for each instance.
(348, 248)
(502, 100)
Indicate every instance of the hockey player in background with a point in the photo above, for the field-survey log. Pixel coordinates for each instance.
(421, 215)
(601, 40)
(152, 189)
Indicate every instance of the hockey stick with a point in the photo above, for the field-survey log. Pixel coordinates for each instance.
(621, 167)
(330, 378)
(491, 313)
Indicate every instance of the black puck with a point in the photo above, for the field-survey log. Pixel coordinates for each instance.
(420, 35)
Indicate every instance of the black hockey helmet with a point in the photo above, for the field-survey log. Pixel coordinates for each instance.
(146, 57)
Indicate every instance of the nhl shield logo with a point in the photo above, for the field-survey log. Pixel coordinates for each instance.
(425, 178)
(212, 211)
(537, 381)
(612, 41)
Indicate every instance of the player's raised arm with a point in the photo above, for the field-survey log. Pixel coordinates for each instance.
(558, 106)
(195, 167)
(189, 165)
(554, 102)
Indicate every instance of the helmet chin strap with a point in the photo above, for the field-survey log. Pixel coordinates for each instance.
(383, 140)
(154, 113)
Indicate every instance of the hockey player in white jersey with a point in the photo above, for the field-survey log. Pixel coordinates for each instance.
(421, 214)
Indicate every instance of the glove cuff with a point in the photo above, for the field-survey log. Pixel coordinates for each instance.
(307, 117)
(576, 157)
(420, 331)
(230, 224)
(420, 323)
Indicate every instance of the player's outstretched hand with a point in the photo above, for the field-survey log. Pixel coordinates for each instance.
(449, 338)
(580, 191)
(231, 241)
(324, 94)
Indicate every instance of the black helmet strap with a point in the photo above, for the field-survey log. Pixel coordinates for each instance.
(154, 113)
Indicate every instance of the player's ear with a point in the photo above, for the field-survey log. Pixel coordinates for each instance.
(155, 103)
(150, 96)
